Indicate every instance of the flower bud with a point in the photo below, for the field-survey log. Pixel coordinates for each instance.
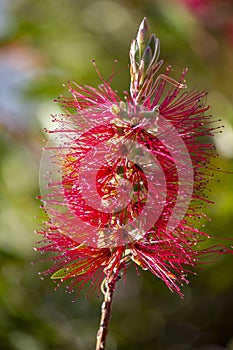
(143, 36)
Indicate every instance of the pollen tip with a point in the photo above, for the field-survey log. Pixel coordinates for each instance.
(184, 85)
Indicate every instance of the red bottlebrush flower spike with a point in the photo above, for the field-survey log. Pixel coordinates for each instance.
(125, 181)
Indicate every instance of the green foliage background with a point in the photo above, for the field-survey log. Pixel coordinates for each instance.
(43, 44)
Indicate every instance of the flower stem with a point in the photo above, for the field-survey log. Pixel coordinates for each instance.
(108, 290)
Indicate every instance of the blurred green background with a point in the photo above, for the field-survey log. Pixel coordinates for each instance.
(43, 44)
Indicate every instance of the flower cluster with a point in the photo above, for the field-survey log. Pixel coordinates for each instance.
(132, 177)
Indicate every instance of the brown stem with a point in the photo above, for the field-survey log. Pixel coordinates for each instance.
(105, 313)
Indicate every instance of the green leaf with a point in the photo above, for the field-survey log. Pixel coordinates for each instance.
(71, 271)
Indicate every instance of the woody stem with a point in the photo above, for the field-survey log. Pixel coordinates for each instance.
(105, 313)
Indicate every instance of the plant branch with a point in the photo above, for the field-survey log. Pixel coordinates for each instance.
(108, 290)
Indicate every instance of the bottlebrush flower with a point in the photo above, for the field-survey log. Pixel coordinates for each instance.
(125, 181)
